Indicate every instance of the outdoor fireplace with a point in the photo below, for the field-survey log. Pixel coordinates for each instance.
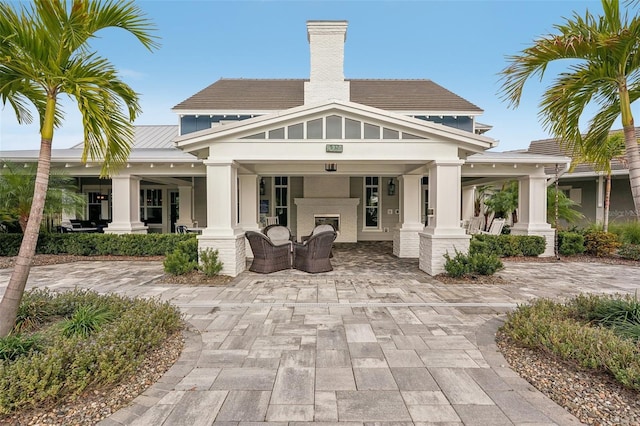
(328, 219)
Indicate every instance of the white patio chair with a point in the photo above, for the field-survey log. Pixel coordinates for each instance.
(496, 227)
(271, 220)
(474, 225)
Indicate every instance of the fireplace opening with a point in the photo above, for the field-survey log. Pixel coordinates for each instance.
(328, 219)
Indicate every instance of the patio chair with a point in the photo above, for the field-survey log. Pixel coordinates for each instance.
(278, 234)
(319, 228)
(181, 229)
(313, 256)
(495, 228)
(271, 220)
(474, 225)
(267, 257)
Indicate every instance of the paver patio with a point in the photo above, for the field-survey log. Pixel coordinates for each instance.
(374, 341)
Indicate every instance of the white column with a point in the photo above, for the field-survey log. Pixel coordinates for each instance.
(468, 202)
(185, 215)
(126, 206)
(444, 233)
(532, 209)
(249, 199)
(600, 200)
(406, 239)
(223, 232)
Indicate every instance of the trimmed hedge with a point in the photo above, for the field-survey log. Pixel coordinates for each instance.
(97, 244)
(507, 245)
(570, 243)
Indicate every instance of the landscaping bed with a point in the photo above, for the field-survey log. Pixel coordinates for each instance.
(76, 357)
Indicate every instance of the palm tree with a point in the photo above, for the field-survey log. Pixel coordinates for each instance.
(613, 148)
(604, 69)
(44, 53)
(566, 208)
(17, 185)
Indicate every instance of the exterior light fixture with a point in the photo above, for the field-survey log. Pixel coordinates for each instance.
(261, 186)
(330, 167)
(391, 187)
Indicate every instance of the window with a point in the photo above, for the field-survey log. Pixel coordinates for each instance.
(281, 188)
(151, 205)
(334, 127)
(94, 205)
(372, 202)
(276, 133)
(371, 131)
(352, 129)
(314, 129)
(295, 131)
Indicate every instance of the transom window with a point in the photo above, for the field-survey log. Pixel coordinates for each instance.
(333, 127)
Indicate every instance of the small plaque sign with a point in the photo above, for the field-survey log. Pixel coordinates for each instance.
(334, 148)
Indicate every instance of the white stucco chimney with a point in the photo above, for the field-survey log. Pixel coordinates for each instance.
(326, 43)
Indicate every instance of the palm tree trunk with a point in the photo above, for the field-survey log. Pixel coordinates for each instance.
(13, 294)
(607, 203)
(633, 159)
(632, 151)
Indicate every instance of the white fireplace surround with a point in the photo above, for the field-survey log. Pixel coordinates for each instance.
(345, 208)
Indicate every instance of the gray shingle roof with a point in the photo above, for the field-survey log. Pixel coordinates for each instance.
(552, 147)
(275, 95)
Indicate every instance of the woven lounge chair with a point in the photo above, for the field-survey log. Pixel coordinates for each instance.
(313, 255)
(268, 257)
(319, 228)
(278, 234)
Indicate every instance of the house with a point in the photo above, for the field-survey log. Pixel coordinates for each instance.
(586, 186)
(394, 160)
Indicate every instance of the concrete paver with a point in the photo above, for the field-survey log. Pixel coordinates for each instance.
(375, 340)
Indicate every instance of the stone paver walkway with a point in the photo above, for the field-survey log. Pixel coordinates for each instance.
(375, 341)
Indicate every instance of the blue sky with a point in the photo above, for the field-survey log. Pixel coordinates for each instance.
(460, 45)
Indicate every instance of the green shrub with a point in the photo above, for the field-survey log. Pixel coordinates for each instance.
(16, 345)
(179, 263)
(600, 243)
(86, 320)
(10, 244)
(629, 251)
(485, 264)
(210, 264)
(190, 248)
(570, 243)
(508, 245)
(67, 365)
(457, 266)
(628, 232)
(472, 264)
(98, 244)
(564, 330)
(35, 308)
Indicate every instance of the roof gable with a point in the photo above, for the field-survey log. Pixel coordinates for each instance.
(278, 125)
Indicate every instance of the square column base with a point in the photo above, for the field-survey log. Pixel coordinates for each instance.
(548, 233)
(231, 252)
(434, 247)
(406, 241)
(126, 228)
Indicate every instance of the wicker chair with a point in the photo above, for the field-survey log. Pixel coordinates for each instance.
(319, 228)
(278, 234)
(313, 255)
(268, 257)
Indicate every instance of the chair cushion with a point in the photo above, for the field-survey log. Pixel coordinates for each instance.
(279, 235)
(322, 228)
